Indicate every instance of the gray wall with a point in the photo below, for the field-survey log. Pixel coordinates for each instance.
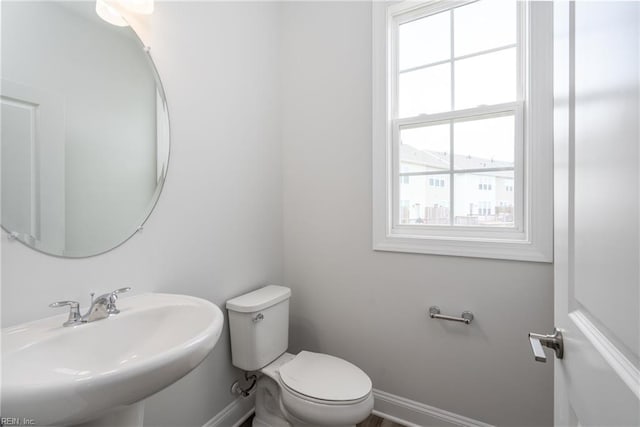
(370, 307)
(216, 231)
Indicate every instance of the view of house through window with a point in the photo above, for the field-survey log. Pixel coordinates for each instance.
(458, 117)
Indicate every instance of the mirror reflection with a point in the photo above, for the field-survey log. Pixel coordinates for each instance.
(84, 130)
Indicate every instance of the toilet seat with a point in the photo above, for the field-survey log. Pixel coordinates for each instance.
(325, 379)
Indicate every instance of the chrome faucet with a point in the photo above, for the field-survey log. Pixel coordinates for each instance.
(101, 307)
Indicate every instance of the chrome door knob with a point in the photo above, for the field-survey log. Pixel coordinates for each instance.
(553, 342)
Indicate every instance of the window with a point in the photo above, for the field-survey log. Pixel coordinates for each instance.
(462, 109)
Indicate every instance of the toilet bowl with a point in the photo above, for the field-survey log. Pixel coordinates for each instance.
(309, 388)
(312, 389)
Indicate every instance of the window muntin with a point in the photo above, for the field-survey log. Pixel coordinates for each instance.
(467, 102)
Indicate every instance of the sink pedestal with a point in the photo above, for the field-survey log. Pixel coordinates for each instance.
(123, 416)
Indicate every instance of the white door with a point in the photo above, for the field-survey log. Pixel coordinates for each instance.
(32, 167)
(19, 199)
(597, 221)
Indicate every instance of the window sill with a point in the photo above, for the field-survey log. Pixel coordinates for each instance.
(516, 250)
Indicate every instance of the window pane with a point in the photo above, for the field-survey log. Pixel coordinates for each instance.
(484, 143)
(424, 200)
(484, 25)
(484, 199)
(486, 79)
(425, 41)
(425, 91)
(425, 149)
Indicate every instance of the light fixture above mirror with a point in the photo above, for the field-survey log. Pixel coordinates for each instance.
(110, 10)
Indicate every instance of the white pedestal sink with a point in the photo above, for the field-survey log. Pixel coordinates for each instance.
(98, 373)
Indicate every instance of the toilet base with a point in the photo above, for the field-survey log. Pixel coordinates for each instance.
(269, 410)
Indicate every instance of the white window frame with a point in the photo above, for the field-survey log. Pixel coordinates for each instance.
(532, 237)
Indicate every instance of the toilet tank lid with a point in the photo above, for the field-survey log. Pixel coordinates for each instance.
(259, 299)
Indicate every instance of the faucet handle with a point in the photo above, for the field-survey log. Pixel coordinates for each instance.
(73, 304)
(74, 311)
(114, 294)
(111, 308)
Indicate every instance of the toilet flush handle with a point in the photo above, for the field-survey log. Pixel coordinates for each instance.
(258, 317)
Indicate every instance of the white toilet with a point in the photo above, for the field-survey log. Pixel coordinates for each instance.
(304, 389)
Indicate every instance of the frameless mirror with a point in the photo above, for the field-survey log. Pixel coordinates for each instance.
(84, 129)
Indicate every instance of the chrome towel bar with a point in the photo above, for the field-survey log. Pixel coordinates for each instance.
(466, 317)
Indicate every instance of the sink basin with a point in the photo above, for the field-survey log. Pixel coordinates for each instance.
(69, 375)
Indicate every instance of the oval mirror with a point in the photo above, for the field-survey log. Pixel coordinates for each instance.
(84, 130)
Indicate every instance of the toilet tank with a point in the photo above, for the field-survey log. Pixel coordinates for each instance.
(259, 326)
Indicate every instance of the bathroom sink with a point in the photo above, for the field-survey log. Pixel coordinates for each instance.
(68, 375)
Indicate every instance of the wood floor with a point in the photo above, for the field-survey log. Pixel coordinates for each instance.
(372, 421)
(375, 421)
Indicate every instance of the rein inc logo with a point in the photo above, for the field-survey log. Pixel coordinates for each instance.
(16, 421)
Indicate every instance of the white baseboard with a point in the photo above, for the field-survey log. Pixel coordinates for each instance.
(234, 414)
(415, 414)
(389, 406)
